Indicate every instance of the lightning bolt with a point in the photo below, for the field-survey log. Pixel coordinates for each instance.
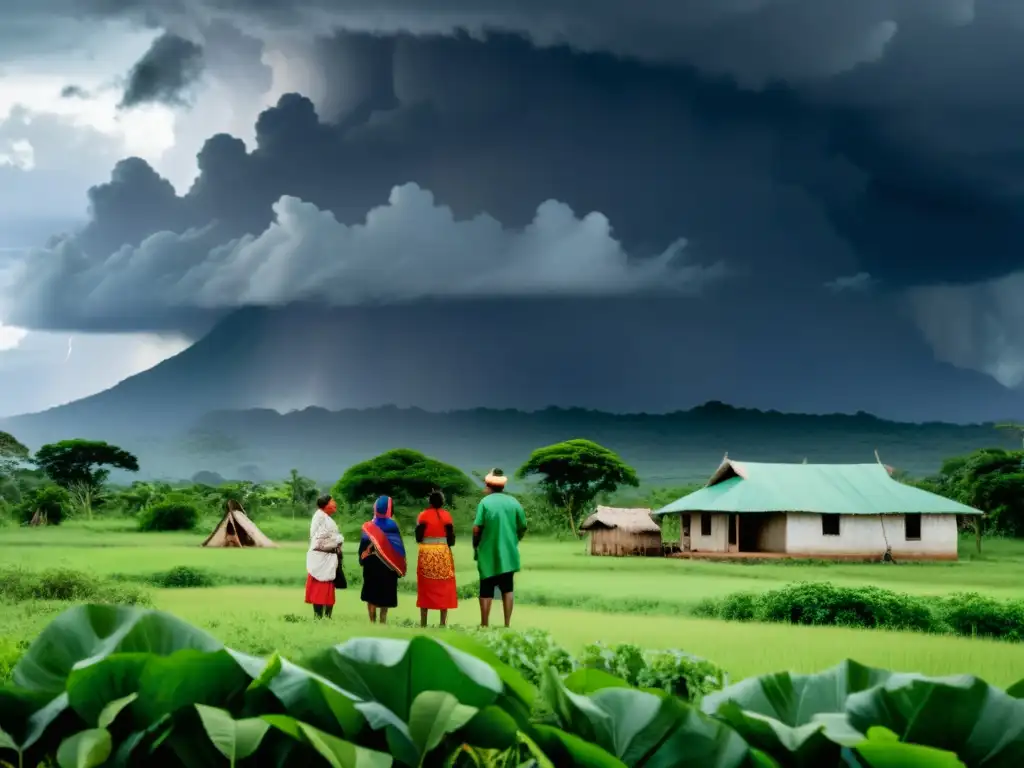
(68, 356)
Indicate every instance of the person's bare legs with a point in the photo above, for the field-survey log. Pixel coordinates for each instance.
(506, 607)
(423, 617)
(485, 610)
(444, 617)
(372, 610)
(383, 615)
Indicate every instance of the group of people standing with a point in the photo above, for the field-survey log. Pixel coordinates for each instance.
(499, 526)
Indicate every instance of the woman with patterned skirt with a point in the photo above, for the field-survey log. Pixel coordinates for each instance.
(435, 566)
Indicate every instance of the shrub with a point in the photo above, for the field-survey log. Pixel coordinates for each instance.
(170, 515)
(972, 615)
(824, 603)
(51, 501)
(182, 577)
(529, 652)
(440, 703)
(681, 674)
(68, 585)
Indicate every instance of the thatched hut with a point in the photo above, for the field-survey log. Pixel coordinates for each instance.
(617, 531)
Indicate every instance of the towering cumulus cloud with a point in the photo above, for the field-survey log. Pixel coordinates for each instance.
(409, 249)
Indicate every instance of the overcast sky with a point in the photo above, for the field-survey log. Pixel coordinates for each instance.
(161, 167)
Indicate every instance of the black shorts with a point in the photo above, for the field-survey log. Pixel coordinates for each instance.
(502, 582)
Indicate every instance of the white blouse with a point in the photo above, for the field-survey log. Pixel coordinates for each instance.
(323, 535)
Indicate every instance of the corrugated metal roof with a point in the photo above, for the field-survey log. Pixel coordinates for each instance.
(844, 489)
(636, 520)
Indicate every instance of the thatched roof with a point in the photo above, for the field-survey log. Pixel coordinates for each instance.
(628, 520)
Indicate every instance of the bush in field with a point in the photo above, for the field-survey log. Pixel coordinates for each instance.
(50, 501)
(157, 691)
(182, 577)
(967, 614)
(971, 614)
(173, 514)
(65, 584)
(824, 603)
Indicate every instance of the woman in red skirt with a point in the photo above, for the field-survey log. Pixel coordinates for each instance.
(435, 566)
(322, 561)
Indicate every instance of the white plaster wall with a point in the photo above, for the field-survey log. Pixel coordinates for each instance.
(862, 534)
(718, 541)
(771, 536)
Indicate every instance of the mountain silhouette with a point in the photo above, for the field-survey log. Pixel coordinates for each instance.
(590, 358)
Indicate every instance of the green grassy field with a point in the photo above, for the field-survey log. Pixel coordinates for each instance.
(579, 599)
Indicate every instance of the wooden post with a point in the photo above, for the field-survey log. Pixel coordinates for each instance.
(977, 532)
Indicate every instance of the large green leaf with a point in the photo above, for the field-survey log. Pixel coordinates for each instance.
(883, 749)
(795, 699)
(587, 680)
(394, 672)
(1016, 690)
(184, 678)
(644, 729)
(312, 699)
(85, 749)
(782, 714)
(235, 739)
(92, 688)
(337, 753)
(386, 675)
(87, 633)
(517, 687)
(983, 725)
(567, 750)
(434, 715)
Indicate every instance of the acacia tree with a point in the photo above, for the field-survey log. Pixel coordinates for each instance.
(573, 473)
(403, 474)
(83, 464)
(12, 454)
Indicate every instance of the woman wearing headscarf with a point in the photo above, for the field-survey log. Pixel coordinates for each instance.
(435, 566)
(382, 556)
(322, 559)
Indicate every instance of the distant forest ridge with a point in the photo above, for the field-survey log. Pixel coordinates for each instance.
(682, 447)
(711, 410)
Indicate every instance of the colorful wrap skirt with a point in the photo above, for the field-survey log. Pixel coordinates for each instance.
(435, 576)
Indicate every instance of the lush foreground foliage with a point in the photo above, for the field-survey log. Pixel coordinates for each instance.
(114, 685)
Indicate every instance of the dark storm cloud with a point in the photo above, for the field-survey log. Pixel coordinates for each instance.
(164, 73)
(797, 141)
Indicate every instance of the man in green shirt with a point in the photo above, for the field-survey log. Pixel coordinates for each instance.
(500, 524)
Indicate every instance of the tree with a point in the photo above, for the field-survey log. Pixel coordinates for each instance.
(74, 463)
(573, 473)
(990, 479)
(12, 454)
(404, 474)
(302, 491)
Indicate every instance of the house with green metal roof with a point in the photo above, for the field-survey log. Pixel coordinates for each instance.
(816, 510)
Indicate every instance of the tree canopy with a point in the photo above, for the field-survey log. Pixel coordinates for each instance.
(87, 463)
(990, 479)
(12, 454)
(573, 474)
(403, 474)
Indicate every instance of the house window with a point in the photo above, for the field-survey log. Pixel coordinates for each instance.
(912, 527)
(705, 524)
(830, 525)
